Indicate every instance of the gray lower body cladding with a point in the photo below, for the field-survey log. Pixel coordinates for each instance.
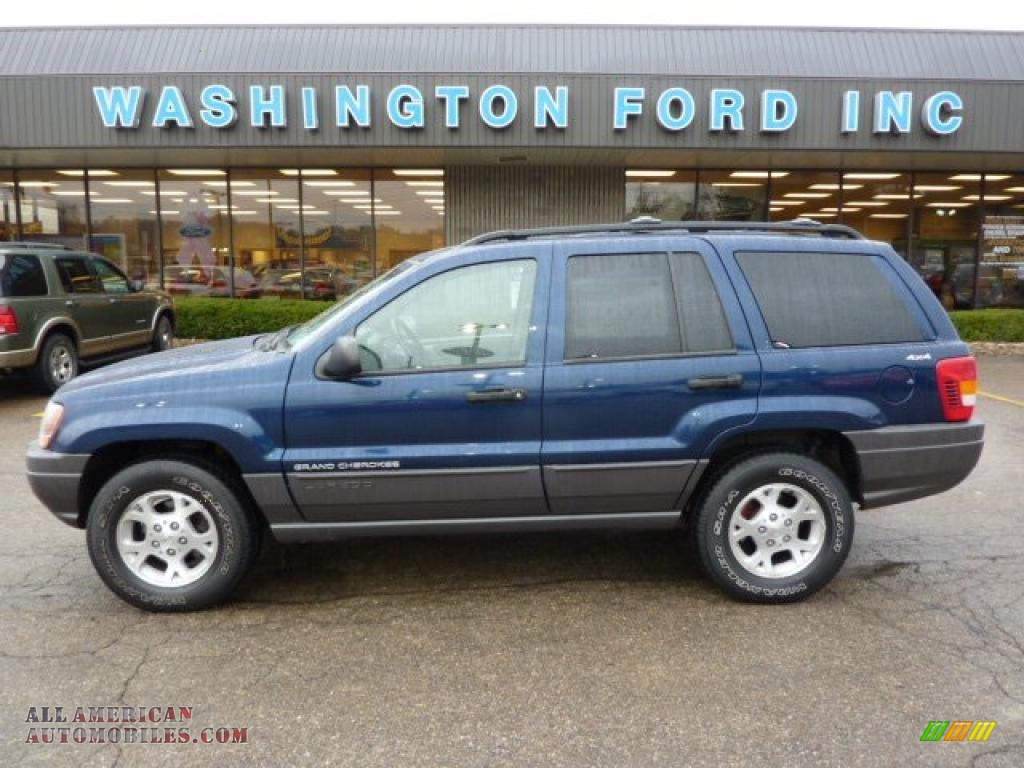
(902, 463)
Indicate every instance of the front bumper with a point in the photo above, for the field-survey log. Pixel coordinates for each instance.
(902, 463)
(55, 479)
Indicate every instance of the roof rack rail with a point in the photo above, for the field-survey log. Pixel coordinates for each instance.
(648, 224)
(37, 244)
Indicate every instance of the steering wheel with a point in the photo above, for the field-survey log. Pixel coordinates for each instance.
(408, 340)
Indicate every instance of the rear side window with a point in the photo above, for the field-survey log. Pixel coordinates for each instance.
(76, 277)
(642, 305)
(21, 274)
(829, 299)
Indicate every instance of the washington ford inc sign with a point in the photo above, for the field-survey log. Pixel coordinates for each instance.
(498, 106)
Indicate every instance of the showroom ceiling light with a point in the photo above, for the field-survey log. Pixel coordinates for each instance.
(887, 215)
(649, 174)
(936, 187)
(759, 174)
(419, 172)
(195, 172)
(329, 183)
(836, 186)
(995, 198)
(808, 195)
(425, 183)
(871, 176)
(977, 177)
(308, 172)
(949, 205)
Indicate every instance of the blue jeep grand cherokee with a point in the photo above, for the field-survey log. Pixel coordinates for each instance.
(752, 382)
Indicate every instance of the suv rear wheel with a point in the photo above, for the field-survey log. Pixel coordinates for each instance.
(57, 363)
(774, 528)
(168, 535)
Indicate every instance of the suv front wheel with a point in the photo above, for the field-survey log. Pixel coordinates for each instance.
(57, 363)
(169, 535)
(774, 528)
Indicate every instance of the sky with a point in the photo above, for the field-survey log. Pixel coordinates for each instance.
(958, 14)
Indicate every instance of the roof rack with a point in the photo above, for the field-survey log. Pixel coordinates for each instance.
(649, 224)
(37, 245)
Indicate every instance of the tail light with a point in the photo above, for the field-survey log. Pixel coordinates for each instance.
(958, 387)
(8, 321)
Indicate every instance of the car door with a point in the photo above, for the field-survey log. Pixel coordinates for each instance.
(131, 312)
(85, 302)
(444, 422)
(645, 363)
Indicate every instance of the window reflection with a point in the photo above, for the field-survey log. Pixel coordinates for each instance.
(409, 214)
(8, 216)
(945, 235)
(665, 195)
(265, 217)
(122, 205)
(877, 204)
(194, 214)
(732, 196)
(1001, 271)
(53, 206)
(804, 194)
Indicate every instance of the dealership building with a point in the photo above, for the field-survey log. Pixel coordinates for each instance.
(304, 160)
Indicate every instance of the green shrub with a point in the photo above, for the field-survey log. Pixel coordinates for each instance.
(205, 318)
(990, 324)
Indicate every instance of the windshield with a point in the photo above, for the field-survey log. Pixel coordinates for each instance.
(311, 326)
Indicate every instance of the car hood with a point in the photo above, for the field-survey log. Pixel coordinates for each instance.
(190, 361)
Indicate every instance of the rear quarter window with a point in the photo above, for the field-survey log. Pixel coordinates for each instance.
(21, 274)
(829, 299)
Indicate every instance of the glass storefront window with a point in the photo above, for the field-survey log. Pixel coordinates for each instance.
(1001, 267)
(732, 196)
(8, 214)
(945, 235)
(665, 195)
(877, 204)
(194, 215)
(804, 194)
(267, 231)
(53, 206)
(337, 233)
(408, 214)
(122, 208)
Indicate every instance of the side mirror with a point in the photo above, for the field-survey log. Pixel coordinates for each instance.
(341, 361)
(135, 286)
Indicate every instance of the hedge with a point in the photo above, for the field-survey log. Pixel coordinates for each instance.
(990, 324)
(200, 318)
(204, 318)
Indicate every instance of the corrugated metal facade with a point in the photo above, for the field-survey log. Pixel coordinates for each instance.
(639, 50)
(482, 199)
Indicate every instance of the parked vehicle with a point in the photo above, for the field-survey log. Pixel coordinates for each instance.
(209, 281)
(61, 308)
(752, 382)
(319, 283)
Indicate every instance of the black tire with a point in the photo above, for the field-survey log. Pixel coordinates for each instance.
(733, 486)
(163, 334)
(237, 532)
(49, 374)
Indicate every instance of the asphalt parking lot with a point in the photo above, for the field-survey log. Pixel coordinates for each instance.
(574, 649)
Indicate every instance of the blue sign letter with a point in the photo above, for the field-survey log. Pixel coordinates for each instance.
(451, 95)
(261, 106)
(508, 100)
(851, 112)
(892, 111)
(778, 111)
(405, 106)
(310, 116)
(940, 113)
(667, 105)
(628, 102)
(171, 109)
(349, 108)
(218, 106)
(550, 108)
(119, 106)
(726, 103)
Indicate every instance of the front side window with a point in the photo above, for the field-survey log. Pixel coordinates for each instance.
(467, 317)
(642, 305)
(21, 275)
(111, 278)
(76, 277)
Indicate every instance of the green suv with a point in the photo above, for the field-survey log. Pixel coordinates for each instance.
(59, 306)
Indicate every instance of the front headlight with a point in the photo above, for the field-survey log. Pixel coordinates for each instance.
(52, 417)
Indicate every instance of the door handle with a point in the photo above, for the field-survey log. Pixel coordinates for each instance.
(731, 381)
(504, 395)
